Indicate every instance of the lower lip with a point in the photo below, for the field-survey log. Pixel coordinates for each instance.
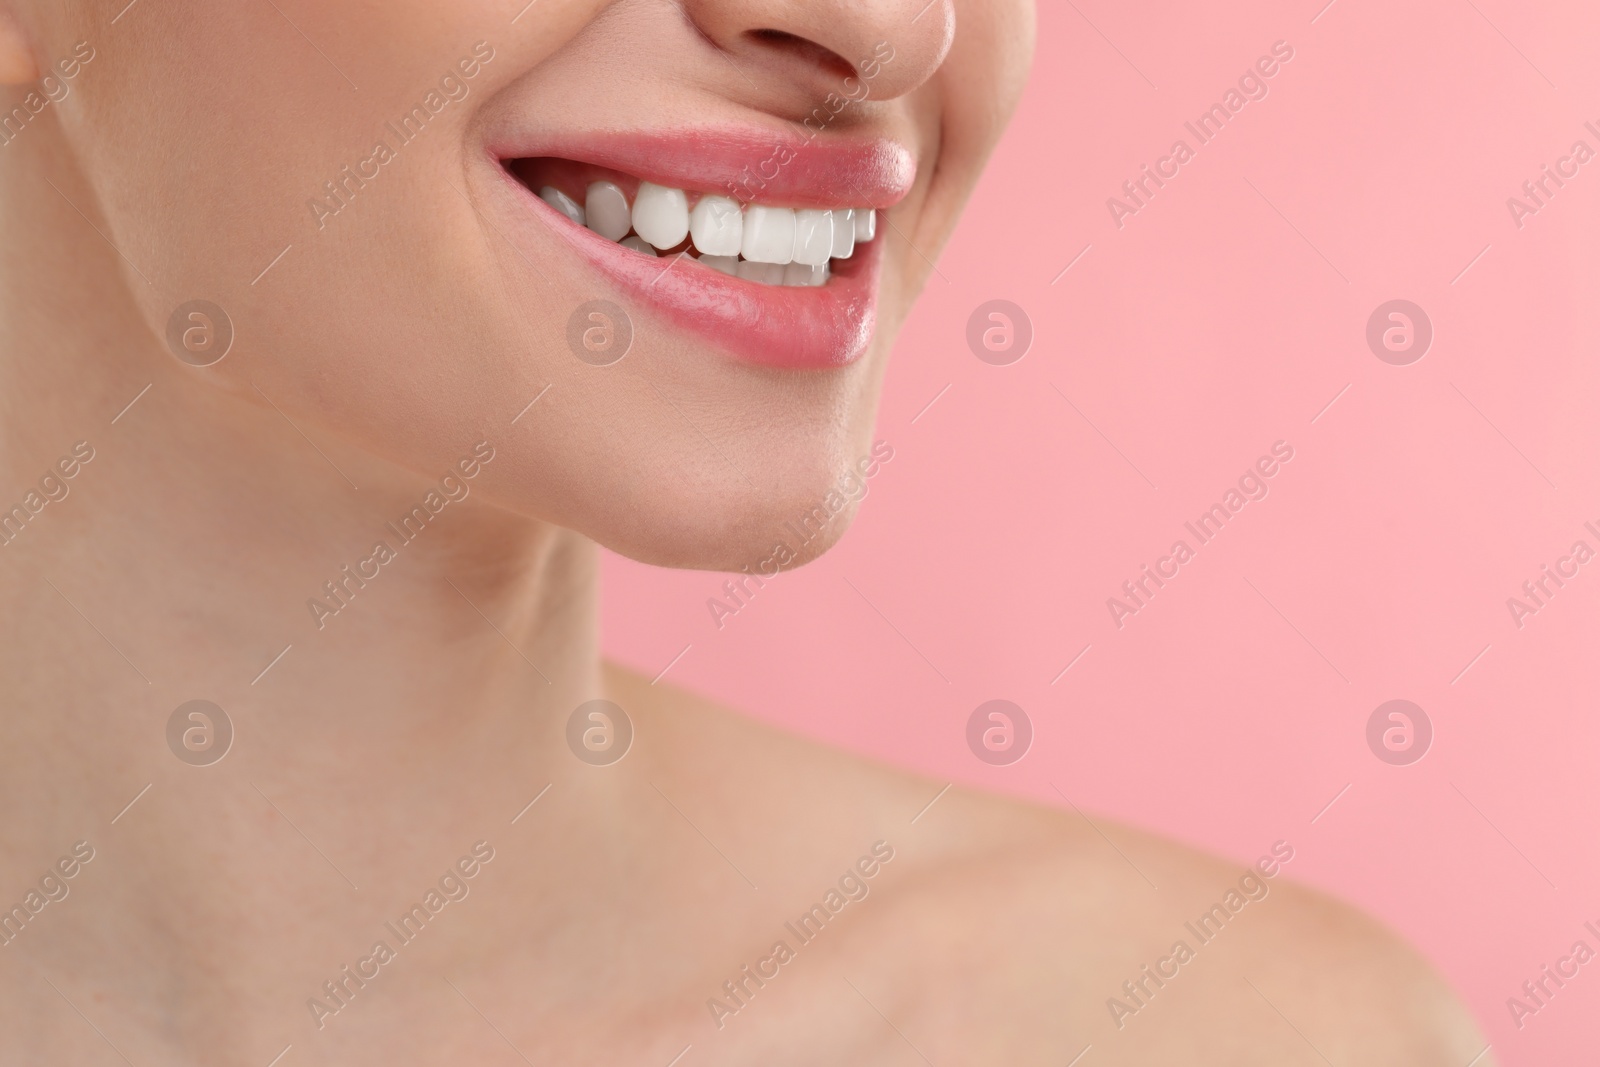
(790, 327)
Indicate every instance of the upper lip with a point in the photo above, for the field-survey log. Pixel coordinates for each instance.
(778, 167)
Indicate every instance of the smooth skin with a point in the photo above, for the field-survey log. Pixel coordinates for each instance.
(373, 751)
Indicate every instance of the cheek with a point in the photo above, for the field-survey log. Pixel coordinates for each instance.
(213, 203)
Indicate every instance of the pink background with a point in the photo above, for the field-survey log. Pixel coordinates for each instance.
(1222, 317)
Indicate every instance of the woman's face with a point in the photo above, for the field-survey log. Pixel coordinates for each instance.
(355, 185)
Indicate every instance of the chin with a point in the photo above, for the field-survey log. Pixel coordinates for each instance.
(776, 520)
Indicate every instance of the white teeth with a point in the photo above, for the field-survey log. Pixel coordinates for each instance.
(866, 223)
(755, 271)
(768, 234)
(606, 208)
(778, 245)
(813, 236)
(717, 226)
(844, 233)
(661, 215)
(798, 274)
(562, 203)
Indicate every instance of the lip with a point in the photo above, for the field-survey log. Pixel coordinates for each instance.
(775, 167)
(788, 327)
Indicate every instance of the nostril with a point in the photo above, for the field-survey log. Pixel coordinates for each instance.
(805, 50)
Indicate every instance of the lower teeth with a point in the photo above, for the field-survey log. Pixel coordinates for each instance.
(798, 275)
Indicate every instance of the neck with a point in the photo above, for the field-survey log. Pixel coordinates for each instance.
(375, 737)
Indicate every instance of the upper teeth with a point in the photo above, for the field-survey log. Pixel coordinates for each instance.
(661, 215)
(768, 238)
(716, 225)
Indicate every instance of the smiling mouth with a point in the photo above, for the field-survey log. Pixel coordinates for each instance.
(767, 244)
(759, 242)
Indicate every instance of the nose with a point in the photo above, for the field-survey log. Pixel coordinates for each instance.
(889, 46)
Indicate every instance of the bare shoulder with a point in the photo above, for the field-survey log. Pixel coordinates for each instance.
(1008, 932)
(1093, 933)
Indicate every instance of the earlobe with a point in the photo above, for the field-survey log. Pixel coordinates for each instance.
(17, 65)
